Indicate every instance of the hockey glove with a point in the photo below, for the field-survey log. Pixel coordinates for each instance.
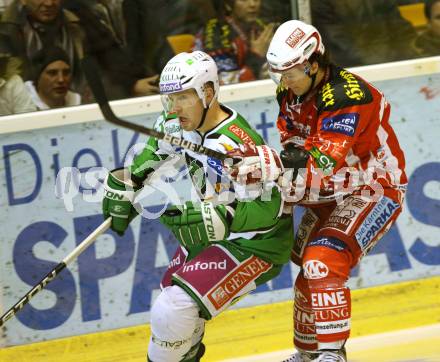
(292, 182)
(294, 158)
(255, 164)
(193, 226)
(117, 202)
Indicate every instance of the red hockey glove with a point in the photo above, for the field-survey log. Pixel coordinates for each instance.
(252, 164)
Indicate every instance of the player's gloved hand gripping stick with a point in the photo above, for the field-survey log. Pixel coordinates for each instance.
(55, 271)
(231, 159)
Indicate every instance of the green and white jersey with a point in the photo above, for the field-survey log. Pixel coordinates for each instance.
(254, 214)
(206, 173)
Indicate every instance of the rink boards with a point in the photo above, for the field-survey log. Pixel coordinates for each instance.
(113, 283)
(264, 333)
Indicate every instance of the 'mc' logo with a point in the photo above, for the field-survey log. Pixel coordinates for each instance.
(315, 269)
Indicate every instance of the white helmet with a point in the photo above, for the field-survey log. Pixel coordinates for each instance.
(189, 70)
(293, 43)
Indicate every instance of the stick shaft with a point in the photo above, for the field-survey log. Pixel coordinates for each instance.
(55, 272)
(87, 241)
(91, 72)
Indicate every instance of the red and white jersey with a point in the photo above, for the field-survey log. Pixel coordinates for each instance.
(344, 125)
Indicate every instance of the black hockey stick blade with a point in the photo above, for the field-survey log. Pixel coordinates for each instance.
(93, 77)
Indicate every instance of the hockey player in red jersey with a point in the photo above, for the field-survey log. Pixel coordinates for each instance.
(342, 161)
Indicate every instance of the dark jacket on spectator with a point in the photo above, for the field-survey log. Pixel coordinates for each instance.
(15, 26)
(149, 22)
(120, 71)
(79, 32)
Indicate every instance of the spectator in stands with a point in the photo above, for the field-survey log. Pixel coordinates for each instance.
(50, 87)
(148, 23)
(238, 41)
(122, 76)
(34, 24)
(428, 42)
(71, 25)
(361, 32)
(13, 95)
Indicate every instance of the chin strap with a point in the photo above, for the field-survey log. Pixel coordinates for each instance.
(313, 77)
(313, 81)
(202, 120)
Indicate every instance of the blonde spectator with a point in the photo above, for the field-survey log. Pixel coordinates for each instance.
(13, 95)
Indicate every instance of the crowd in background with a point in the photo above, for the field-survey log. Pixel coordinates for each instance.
(43, 41)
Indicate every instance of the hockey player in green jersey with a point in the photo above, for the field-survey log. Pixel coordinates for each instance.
(231, 240)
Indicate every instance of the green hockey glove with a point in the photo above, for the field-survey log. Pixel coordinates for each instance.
(117, 202)
(202, 225)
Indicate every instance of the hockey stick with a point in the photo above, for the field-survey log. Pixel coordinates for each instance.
(55, 271)
(93, 77)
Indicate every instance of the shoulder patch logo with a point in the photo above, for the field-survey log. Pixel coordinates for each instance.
(242, 134)
(345, 123)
